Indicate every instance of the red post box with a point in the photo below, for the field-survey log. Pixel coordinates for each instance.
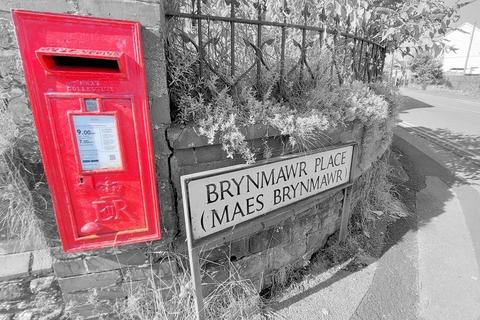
(86, 81)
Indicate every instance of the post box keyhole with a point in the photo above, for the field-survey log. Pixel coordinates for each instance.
(81, 180)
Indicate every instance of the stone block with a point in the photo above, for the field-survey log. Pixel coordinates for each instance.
(42, 262)
(157, 89)
(265, 239)
(12, 290)
(198, 167)
(77, 298)
(156, 76)
(90, 310)
(133, 287)
(316, 240)
(14, 265)
(9, 63)
(7, 37)
(60, 6)
(232, 251)
(187, 137)
(41, 284)
(24, 315)
(209, 153)
(116, 261)
(89, 281)
(160, 141)
(213, 277)
(153, 48)
(148, 14)
(162, 168)
(95, 295)
(167, 268)
(252, 266)
(138, 274)
(185, 157)
(285, 255)
(68, 268)
(111, 293)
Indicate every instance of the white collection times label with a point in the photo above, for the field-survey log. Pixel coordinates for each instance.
(97, 140)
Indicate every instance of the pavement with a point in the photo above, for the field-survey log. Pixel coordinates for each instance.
(431, 268)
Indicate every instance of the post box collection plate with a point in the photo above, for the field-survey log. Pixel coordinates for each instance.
(86, 82)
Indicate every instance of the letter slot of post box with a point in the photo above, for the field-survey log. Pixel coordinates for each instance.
(87, 88)
(77, 60)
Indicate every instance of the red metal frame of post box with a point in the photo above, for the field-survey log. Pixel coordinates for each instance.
(87, 87)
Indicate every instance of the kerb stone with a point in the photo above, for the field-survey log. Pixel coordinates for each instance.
(14, 265)
(42, 262)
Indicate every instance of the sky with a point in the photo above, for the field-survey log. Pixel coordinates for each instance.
(469, 13)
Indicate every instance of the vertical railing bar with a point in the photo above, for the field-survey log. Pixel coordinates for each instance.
(334, 45)
(370, 65)
(360, 57)
(282, 50)
(323, 34)
(345, 48)
(365, 64)
(304, 36)
(321, 39)
(232, 41)
(344, 64)
(354, 71)
(209, 36)
(259, 44)
(384, 53)
(200, 40)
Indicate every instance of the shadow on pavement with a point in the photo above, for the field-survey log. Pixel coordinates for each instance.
(408, 103)
(471, 143)
(394, 289)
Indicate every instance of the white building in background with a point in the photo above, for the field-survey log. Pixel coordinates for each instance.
(461, 40)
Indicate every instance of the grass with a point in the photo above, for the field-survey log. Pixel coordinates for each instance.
(237, 298)
(375, 193)
(375, 206)
(17, 211)
(173, 297)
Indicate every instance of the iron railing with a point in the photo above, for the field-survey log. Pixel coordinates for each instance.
(352, 55)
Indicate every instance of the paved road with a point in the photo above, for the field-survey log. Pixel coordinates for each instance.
(431, 271)
(448, 116)
(457, 114)
(448, 211)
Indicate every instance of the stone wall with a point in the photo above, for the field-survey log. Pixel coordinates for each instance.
(91, 281)
(284, 238)
(28, 286)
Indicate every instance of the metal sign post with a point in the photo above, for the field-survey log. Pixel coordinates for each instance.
(345, 214)
(193, 257)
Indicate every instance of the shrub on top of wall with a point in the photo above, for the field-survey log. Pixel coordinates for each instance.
(303, 113)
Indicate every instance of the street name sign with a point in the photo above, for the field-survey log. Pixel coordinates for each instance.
(219, 199)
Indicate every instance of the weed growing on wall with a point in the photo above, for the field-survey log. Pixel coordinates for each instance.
(375, 193)
(172, 297)
(375, 206)
(17, 214)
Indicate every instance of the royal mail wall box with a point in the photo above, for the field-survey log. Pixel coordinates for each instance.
(86, 82)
